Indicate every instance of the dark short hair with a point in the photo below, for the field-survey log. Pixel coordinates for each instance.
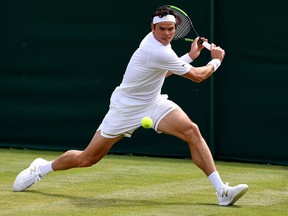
(162, 11)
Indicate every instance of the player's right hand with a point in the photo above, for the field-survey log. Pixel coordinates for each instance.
(217, 52)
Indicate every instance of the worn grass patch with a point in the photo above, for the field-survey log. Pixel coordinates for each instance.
(130, 185)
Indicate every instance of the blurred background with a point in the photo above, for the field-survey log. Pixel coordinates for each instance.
(61, 60)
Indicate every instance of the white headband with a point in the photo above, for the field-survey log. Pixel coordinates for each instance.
(167, 18)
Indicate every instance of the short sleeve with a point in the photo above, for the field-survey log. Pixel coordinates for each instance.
(166, 59)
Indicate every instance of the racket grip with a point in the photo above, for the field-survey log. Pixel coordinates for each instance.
(206, 45)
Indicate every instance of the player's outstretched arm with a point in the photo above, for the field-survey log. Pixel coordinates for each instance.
(199, 74)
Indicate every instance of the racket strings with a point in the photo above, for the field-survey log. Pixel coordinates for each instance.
(183, 26)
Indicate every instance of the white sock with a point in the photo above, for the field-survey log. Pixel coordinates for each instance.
(46, 168)
(216, 181)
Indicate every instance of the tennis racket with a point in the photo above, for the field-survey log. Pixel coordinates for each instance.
(184, 26)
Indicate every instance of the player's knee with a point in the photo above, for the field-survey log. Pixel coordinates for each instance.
(192, 133)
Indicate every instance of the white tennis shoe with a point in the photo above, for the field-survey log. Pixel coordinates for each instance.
(229, 195)
(29, 176)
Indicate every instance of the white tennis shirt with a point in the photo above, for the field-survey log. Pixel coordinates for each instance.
(145, 74)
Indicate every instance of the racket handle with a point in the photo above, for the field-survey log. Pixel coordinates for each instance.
(206, 45)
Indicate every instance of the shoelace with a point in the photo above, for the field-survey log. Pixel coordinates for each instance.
(226, 184)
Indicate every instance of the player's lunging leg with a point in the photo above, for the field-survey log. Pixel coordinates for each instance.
(178, 124)
(96, 150)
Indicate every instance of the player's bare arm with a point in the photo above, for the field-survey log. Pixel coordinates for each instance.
(199, 74)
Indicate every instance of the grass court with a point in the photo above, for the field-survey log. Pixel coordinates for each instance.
(134, 185)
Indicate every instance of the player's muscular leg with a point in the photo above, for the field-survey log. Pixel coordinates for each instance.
(95, 151)
(178, 124)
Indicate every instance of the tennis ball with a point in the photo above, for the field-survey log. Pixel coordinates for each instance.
(146, 122)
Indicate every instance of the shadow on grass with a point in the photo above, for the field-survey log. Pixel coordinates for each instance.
(214, 204)
(100, 202)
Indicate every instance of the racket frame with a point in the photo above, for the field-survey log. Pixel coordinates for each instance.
(178, 10)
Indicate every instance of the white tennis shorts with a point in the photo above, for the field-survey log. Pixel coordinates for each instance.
(118, 122)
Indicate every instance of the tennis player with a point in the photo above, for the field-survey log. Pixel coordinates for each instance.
(139, 95)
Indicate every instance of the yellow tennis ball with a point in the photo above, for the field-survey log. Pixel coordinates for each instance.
(146, 122)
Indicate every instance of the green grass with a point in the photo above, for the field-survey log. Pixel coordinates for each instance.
(130, 185)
